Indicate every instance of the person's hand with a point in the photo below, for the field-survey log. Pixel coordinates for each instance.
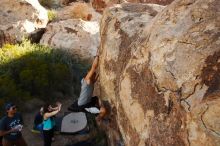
(50, 107)
(58, 103)
(14, 130)
(59, 107)
(18, 127)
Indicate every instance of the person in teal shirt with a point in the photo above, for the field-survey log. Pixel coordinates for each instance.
(49, 122)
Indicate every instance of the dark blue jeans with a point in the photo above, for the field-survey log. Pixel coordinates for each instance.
(48, 135)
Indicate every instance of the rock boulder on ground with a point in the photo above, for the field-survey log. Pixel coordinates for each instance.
(161, 74)
(78, 10)
(100, 5)
(160, 2)
(75, 36)
(121, 25)
(19, 18)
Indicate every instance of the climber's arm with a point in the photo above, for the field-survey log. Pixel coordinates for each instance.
(93, 69)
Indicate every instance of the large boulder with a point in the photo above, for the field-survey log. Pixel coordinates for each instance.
(20, 18)
(54, 4)
(160, 2)
(100, 5)
(161, 74)
(78, 10)
(75, 36)
(120, 26)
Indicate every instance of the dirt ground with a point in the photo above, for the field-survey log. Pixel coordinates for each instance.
(34, 139)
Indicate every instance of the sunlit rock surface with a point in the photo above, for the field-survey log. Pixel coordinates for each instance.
(100, 5)
(76, 36)
(78, 10)
(19, 18)
(54, 4)
(160, 72)
(121, 25)
(160, 2)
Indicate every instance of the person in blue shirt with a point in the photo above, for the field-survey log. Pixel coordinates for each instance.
(38, 120)
(11, 126)
(49, 122)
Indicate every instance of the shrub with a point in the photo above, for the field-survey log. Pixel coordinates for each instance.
(52, 15)
(30, 70)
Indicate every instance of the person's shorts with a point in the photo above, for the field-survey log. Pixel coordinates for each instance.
(76, 108)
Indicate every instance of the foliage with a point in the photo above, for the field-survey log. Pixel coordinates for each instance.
(30, 70)
(52, 15)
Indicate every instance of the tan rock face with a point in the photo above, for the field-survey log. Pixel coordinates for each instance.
(54, 4)
(100, 5)
(78, 10)
(78, 37)
(160, 71)
(19, 18)
(160, 2)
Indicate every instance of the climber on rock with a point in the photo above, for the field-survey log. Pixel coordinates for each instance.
(86, 102)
